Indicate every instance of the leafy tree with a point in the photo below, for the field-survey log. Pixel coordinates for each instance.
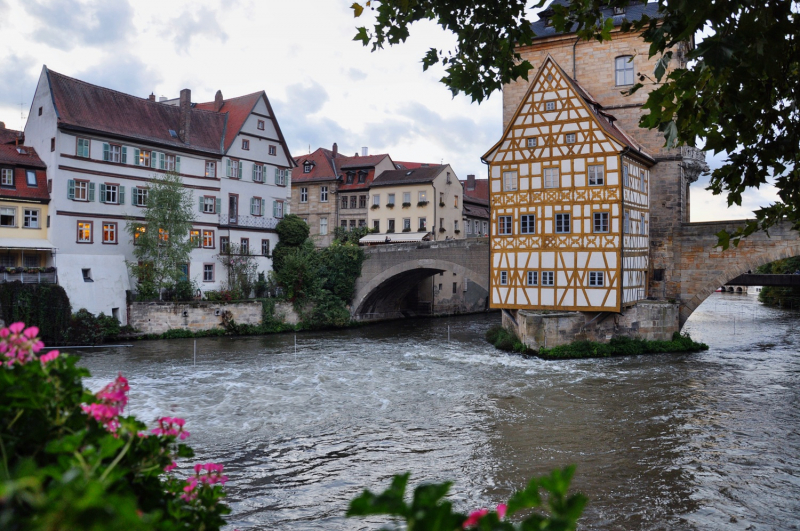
(241, 271)
(292, 233)
(161, 242)
(776, 295)
(339, 268)
(737, 95)
(298, 274)
(353, 236)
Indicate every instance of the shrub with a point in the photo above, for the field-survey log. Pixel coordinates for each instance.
(37, 303)
(505, 340)
(71, 460)
(84, 329)
(292, 230)
(622, 346)
(328, 311)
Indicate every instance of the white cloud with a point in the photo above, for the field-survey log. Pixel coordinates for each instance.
(188, 25)
(65, 24)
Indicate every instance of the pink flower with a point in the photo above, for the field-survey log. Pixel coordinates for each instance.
(113, 399)
(16, 328)
(50, 356)
(189, 493)
(166, 426)
(501, 510)
(31, 332)
(213, 473)
(18, 344)
(170, 467)
(474, 517)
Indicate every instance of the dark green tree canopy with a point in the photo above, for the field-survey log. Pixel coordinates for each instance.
(738, 94)
(292, 230)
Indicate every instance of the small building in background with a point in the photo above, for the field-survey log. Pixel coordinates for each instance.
(314, 186)
(476, 207)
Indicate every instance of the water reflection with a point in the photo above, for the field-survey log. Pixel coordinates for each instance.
(705, 441)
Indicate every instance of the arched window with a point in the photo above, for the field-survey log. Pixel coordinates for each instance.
(623, 70)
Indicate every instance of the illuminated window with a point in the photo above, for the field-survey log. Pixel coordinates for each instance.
(109, 232)
(194, 237)
(504, 225)
(208, 239)
(84, 232)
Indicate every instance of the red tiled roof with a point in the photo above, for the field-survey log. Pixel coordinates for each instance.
(10, 156)
(322, 169)
(86, 106)
(9, 136)
(238, 110)
(480, 193)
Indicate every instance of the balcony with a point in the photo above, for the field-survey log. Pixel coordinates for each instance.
(256, 222)
(29, 275)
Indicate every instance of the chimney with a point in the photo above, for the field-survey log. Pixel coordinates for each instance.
(3, 126)
(335, 150)
(152, 97)
(186, 115)
(218, 101)
(470, 182)
(364, 151)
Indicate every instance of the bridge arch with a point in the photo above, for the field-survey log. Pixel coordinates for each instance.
(382, 296)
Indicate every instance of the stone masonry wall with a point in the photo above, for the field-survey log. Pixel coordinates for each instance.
(313, 210)
(653, 320)
(158, 317)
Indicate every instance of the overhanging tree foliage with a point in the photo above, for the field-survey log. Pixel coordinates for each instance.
(739, 93)
(161, 242)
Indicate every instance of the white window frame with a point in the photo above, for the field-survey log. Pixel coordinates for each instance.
(510, 181)
(9, 211)
(550, 106)
(569, 138)
(551, 177)
(423, 223)
(323, 226)
(595, 175)
(504, 278)
(596, 279)
(30, 175)
(323, 194)
(562, 221)
(548, 278)
(376, 199)
(209, 205)
(83, 186)
(304, 194)
(623, 70)
(527, 224)
(115, 232)
(7, 176)
(505, 225)
(208, 272)
(532, 142)
(532, 278)
(422, 196)
(31, 218)
(407, 197)
(600, 224)
(170, 162)
(140, 196)
(258, 173)
(112, 192)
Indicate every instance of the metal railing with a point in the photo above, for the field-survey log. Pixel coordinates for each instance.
(37, 277)
(258, 222)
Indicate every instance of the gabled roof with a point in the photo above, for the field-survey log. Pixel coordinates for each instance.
(322, 166)
(480, 194)
(9, 136)
(238, 109)
(633, 12)
(84, 106)
(24, 158)
(603, 118)
(20, 156)
(420, 175)
(361, 162)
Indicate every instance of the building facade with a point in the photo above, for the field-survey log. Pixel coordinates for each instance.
(103, 147)
(314, 193)
(476, 207)
(357, 174)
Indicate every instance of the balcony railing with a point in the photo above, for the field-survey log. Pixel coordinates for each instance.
(257, 222)
(36, 277)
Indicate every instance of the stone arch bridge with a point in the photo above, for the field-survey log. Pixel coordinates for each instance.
(393, 279)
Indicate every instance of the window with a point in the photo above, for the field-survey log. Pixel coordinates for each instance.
(596, 278)
(618, 10)
(503, 278)
(596, 176)
(208, 272)
(532, 142)
(362, 201)
(570, 138)
(53, 144)
(265, 247)
(208, 239)
(194, 237)
(600, 221)
(83, 148)
(109, 232)
(406, 224)
(455, 227)
(623, 70)
(307, 167)
(277, 209)
(184, 271)
(138, 232)
(280, 176)
(170, 163)
(533, 278)
(550, 106)
(344, 201)
(344, 224)
(509, 181)
(258, 173)
(455, 202)
(323, 226)
(423, 224)
(562, 223)
(352, 224)
(390, 227)
(84, 232)
(272, 150)
(548, 278)
(423, 197)
(407, 198)
(211, 168)
(504, 225)
(441, 223)
(244, 246)
(233, 169)
(643, 181)
(362, 222)
(376, 224)
(245, 144)
(209, 204)
(163, 235)
(87, 275)
(362, 177)
(8, 217)
(626, 222)
(7, 177)
(350, 177)
(304, 195)
(353, 201)
(551, 177)
(527, 224)
(40, 111)
(112, 153)
(30, 218)
(140, 197)
(455, 287)
(110, 193)
(143, 158)
(376, 200)
(257, 206)
(224, 244)
(469, 226)
(390, 200)
(323, 194)
(260, 125)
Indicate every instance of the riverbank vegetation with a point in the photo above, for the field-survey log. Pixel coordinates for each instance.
(619, 346)
(776, 295)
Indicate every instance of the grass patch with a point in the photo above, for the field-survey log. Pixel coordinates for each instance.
(506, 340)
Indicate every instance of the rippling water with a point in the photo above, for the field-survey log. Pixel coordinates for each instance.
(696, 441)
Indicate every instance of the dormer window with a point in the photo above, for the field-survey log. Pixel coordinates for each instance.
(307, 167)
(6, 176)
(350, 177)
(362, 177)
(30, 175)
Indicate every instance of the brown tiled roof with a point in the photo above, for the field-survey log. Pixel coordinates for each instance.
(238, 110)
(413, 165)
(476, 211)
(480, 193)
(420, 175)
(360, 162)
(10, 156)
(322, 169)
(9, 136)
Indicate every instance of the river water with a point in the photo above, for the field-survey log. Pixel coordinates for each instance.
(688, 441)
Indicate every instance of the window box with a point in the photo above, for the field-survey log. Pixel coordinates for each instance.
(441, 203)
(407, 229)
(457, 231)
(406, 205)
(373, 207)
(389, 205)
(442, 229)
(422, 203)
(390, 231)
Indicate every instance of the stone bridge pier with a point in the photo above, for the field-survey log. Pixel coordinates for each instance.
(402, 280)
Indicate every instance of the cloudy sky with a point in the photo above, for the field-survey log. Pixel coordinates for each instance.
(324, 87)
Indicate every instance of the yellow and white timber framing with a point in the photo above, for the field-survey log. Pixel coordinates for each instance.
(569, 204)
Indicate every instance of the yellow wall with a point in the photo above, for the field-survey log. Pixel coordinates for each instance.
(19, 231)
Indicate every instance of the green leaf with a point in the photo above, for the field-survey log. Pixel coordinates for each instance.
(357, 9)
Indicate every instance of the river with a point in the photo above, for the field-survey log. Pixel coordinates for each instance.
(688, 441)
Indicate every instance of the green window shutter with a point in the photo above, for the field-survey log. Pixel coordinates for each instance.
(153, 157)
(121, 195)
(228, 168)
(277, 176)
(252, 206)
(91, 191)
(200, 203)
(136, 154)
(264, 175)
(254, 172)
(263, 207)
(106, 149)
(178, 164)
(161, 161)
(219, 206)
(274, 209)
(102, 193)
(71, 189)
(124, 154)
(240, 164)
